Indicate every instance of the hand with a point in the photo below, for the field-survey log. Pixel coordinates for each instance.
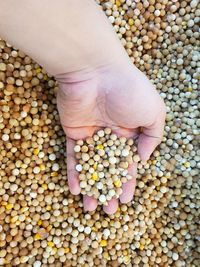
(119, 97)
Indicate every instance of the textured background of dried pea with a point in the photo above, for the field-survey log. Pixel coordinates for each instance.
(41, 224)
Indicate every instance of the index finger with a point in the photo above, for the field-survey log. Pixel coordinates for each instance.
(72, 174)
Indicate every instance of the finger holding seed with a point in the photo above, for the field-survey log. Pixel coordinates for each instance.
(74, 152)
(77, 150)
(72, 174)
(132, 159)
(129, 187)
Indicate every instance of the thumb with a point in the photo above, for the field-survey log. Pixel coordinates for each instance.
(150, 137)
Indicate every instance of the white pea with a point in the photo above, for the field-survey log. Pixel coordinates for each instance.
(111, 153)
(112, 160)
(125, 152)
(83, 184)
(91, 170)
(100, 133)
(52, 157)
(87, 230)
(106, 232)
(33, 194)
(80, 228)
(79, 167)
(99, 185)
(77, 148)
(56, 240)
(124, 172)
(5, 137)
(15, 172)
(36, 170)
(37, 264)
(96, 157)
(91, 182)
(113, 137)
(112, 170)
(102, 198)
(101, 175)
(51, 186)
(175, 256)
(111, 192)
(55, 167)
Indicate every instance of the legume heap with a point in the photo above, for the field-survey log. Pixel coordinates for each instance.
(41, 223)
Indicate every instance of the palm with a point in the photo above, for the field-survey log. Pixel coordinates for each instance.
(124, 101)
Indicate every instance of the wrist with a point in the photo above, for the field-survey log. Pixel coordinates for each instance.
(94, 71)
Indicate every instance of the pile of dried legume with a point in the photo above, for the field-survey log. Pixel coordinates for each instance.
(103, 164)
(41, 223)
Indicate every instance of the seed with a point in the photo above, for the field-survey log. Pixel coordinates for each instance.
(118, 183)
(15, 172)
(5, 137)
(51, 186)
(56, 240)
(113, 137)
(2, 66)
(136, 158)
(13, 187)
(84, 149)
(50, 244)
(36, 170)
(193, 3)
(102, 198)
(101, 175)
(37, 264)
(103, 243)
(9, 206)
(79, 167)
(52, 157)
(99, 185)
(100, 147)
(36, 151)
(35, 122)
(87, 230)
(55, 167)
(175, 256)
(179, 61)
(112, 160)
(96, 157)
(77, 148)
(83, 184)
(125, 152)
(94, 176)
(85, 157)
(100, 133)
(111, 193)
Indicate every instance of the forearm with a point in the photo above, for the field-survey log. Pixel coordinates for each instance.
(64, 36)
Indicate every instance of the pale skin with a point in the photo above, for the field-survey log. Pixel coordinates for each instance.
(98, 84)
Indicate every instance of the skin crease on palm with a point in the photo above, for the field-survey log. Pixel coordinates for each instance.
(116, 96)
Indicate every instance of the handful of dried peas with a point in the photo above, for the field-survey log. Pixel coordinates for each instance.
(103, 162)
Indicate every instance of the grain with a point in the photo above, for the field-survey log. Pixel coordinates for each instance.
(38, 215)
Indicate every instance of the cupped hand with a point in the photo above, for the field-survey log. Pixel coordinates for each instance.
(119, 97)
